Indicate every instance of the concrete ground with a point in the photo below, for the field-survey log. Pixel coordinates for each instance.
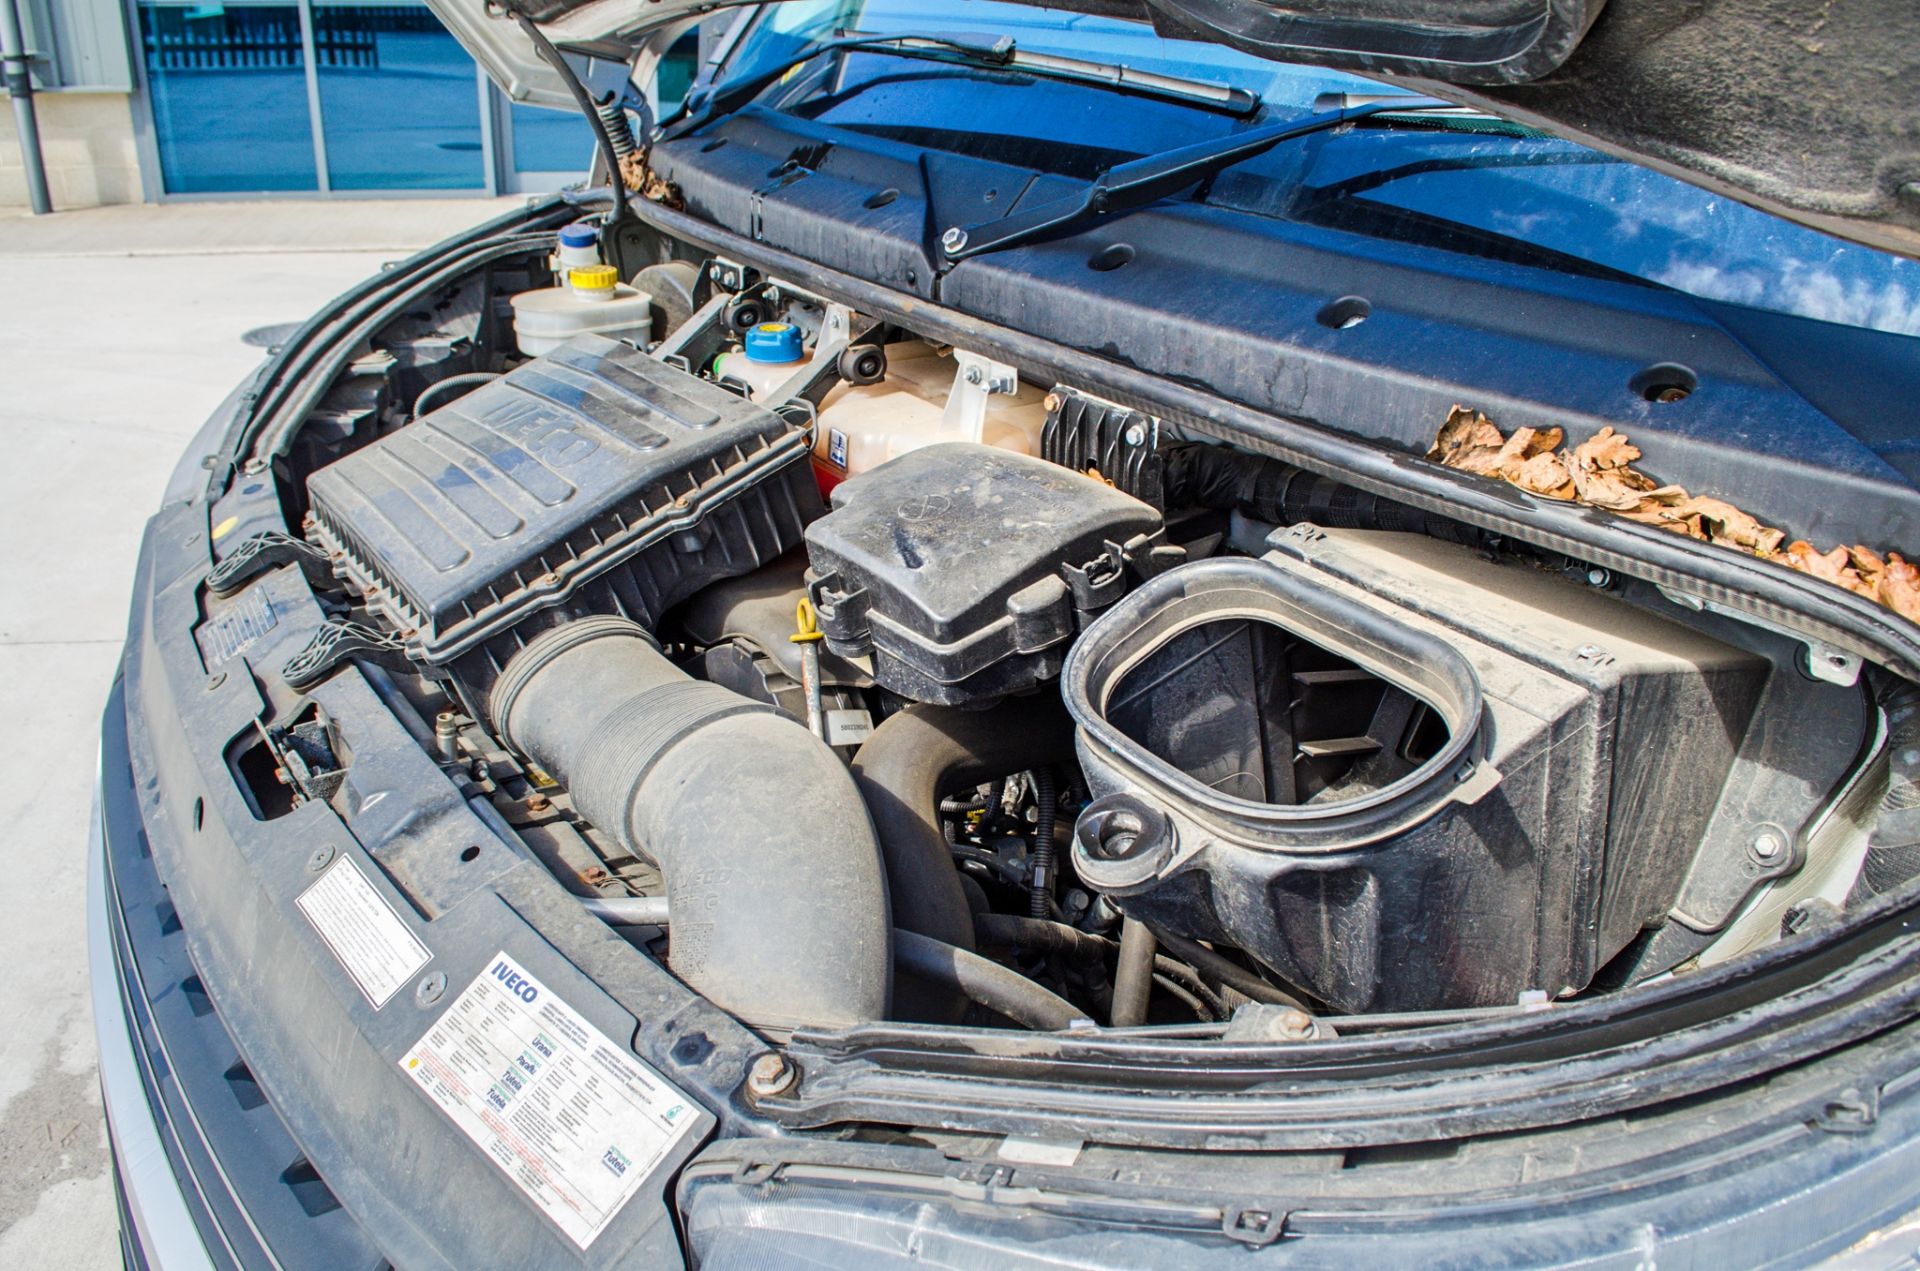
(121, 333)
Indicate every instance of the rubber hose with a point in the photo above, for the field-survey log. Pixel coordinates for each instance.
(1893, 849)
(1037, 935)
(993, 986)
(454, 386)
(911, 760)
(1231, 974)
(1133, 977)
(773, 875)
(613, 117)
(1266, 489)
(1046, 803)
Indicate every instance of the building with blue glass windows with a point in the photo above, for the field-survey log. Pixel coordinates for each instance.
(184, 99)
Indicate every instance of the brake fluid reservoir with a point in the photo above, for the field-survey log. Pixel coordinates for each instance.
(769, 354)
(593, 300)
(863, 426)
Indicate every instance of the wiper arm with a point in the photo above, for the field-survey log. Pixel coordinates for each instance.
(1000, 53)
(1127, 186)
(724, 99)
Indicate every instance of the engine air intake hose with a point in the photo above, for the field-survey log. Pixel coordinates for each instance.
(1269, 490)
(911, 760)
(773, 874)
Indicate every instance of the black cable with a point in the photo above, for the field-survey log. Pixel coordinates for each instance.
(1046, 803)
(608, 155)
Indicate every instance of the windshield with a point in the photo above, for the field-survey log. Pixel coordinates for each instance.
(1507, 193)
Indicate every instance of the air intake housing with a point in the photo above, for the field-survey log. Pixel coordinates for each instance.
(594, 479)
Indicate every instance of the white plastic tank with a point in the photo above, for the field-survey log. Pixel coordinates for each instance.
(593, 300)
(863, 426)
(769, 355)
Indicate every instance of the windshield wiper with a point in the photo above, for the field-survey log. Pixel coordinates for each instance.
(1127, 186)
(1000, 54)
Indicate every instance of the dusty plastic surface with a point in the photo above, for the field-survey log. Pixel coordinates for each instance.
(1418, 805)
(964, 569)
(596, 473)
(864, 425)
(543, 320)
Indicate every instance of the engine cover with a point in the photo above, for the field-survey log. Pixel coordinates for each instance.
(595, 477)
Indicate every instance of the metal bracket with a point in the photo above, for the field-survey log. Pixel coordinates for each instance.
(1824, 662)
(336, 642)
(266, 550)
(1820, 660)
(976, 379)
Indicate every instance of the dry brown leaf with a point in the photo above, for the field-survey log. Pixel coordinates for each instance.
(1616, 489)
(1606, 449)
(1835, 567)
(1728, 525)
(1599, 472)
(1466, 433)
(1545, 474)
(1900, 588)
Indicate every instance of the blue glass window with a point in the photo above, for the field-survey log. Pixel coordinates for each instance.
(553, 141)
(398, 100)
(228, 89)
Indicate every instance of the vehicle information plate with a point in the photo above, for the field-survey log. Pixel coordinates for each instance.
(575, 1120)
(358, 924)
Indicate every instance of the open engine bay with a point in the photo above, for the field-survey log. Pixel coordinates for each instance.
(856, 678)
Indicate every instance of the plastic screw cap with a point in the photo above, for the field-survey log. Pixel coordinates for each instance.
(594, 278)
(773, 342)
(579, 234)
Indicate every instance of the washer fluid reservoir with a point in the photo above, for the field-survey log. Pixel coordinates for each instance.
(769, 354)
(863, 426)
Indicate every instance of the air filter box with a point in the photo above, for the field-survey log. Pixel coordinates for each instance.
(595, 477)
(964, 570)
(1400, 774)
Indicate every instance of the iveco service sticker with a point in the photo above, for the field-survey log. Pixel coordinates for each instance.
(572, 1118)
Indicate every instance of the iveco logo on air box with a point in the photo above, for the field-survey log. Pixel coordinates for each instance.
(516, 985)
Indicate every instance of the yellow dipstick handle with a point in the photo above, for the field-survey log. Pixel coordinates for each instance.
(807, 636)
(806, 625)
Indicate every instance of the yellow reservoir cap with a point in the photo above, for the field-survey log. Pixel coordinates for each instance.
(594, 277)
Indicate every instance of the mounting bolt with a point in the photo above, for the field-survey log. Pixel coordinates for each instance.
(1054, 402)
(954, 241)
(975, 375)
(431, 988)
(1589, 653)
(254, 466)
(1295, 1025)
(537, 802)
(1769, 845)
(769, 1075)
(322, 856)
(215, 680)
(1598, 577)
(1136, 435)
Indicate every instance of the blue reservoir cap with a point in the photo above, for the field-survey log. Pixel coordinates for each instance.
(578, 234)
(773, 342)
